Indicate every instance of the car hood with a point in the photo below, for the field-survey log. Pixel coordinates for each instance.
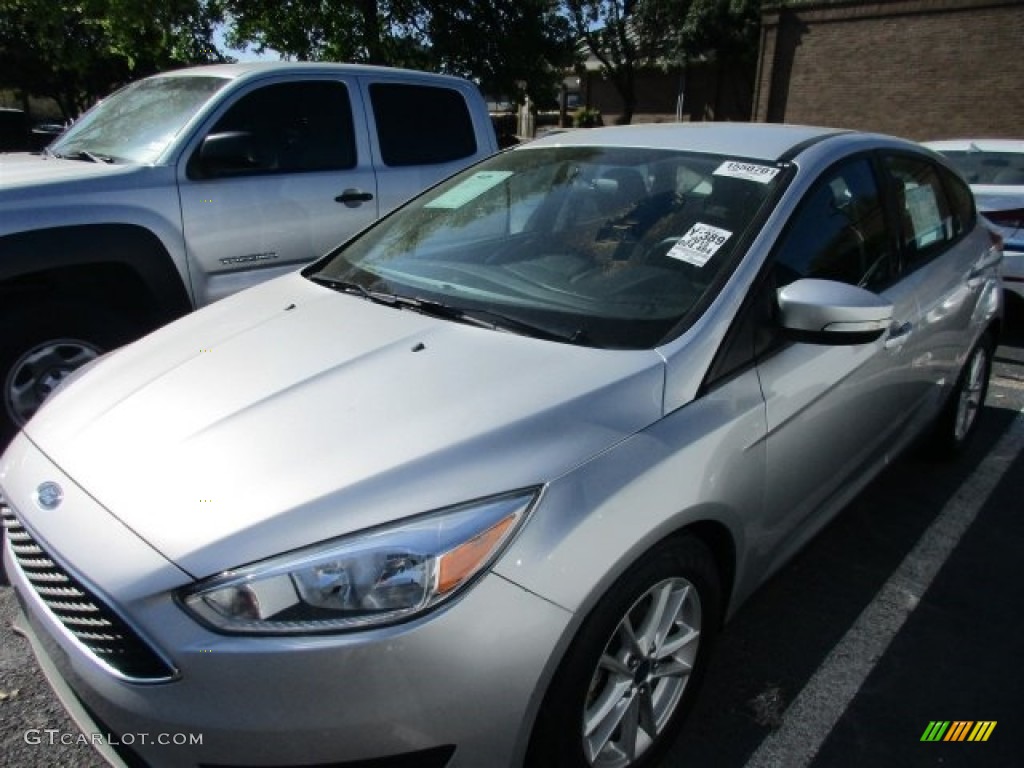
(290, 414)
(22, 169)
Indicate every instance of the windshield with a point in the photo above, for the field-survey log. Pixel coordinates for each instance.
(980, 167)
(137, 123)
(609, 247)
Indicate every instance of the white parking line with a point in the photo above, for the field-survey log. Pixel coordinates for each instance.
(816, 709)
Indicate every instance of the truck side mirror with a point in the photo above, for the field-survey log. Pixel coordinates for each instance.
(229, 154)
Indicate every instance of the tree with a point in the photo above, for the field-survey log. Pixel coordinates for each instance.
(77, 52)
(726, 33)
(498, 43)
(625, 35)
(362, 31)
(510, 47)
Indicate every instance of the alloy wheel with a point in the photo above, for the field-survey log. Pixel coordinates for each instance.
(971, 394)
(642, 674)
(39, 371)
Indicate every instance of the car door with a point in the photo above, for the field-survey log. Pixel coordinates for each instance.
(282, 176)
(835, 412)
(937, 257)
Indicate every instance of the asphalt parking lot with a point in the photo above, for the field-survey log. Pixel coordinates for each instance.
(905, 611)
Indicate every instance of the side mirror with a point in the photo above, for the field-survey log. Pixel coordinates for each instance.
(228, 153)
(827, 312)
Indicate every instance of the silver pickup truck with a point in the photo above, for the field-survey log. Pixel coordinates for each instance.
(185, 187)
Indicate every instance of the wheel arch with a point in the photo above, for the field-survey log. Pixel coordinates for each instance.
(716, 538)
(123, 265)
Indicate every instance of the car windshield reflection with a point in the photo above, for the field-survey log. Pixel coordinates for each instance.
(611, 247)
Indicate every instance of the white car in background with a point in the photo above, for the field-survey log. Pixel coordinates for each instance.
(995, 170)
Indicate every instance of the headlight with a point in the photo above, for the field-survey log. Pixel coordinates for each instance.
(377, 577)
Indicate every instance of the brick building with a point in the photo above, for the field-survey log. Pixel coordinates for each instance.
(924, 69)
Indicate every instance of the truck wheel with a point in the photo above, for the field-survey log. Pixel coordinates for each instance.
(41, 345)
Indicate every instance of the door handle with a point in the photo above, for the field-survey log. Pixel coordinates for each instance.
(898, 335)
(354, 197)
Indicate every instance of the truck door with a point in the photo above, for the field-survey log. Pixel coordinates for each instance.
(421, 133)
(283, 175)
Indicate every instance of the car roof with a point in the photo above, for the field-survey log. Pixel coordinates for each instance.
(763, 141)
(983, 145)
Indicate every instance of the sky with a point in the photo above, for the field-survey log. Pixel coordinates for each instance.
(241, 55)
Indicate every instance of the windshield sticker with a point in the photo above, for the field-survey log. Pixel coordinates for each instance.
(762, 174)
(699, 244)
(469, 190)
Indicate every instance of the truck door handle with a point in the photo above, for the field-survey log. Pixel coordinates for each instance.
(353, 197)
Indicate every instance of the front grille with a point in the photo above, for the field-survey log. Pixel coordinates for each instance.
(96, 627)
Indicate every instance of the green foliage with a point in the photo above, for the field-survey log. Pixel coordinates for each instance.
(722, 28)
(586, 117)
(77, 52)
(327, 30)
(507, 46)
(510, 47)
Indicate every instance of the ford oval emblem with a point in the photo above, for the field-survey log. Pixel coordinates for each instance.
(49, 495)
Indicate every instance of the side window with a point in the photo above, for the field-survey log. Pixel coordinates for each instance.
(927, 224)
(961, 201)
(839, 232)
(284, 128)
(421, 125)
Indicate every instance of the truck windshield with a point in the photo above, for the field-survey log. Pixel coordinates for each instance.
(137, 123)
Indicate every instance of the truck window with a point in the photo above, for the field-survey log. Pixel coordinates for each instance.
(421, 125)
(294, 127)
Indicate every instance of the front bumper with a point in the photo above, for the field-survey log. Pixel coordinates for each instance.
(466, 678)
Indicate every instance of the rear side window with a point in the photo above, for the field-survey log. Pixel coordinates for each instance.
(421, 125)
(927, 220)
(961, 201)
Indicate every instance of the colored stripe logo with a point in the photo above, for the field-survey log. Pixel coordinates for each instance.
(958, 730)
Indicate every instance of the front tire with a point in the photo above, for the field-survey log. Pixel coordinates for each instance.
(41, 346)
(630, 675)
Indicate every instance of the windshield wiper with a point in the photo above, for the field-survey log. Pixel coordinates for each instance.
(84, 154)
(497, 321)
(481, 318)
(345, 286)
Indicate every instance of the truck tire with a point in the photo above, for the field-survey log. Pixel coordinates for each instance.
(41, 344)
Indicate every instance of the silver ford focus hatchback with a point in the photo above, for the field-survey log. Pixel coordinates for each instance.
(480, 487)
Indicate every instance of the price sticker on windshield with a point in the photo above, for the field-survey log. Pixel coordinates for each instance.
(469, 189)
(699, 244)
(762, 174)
